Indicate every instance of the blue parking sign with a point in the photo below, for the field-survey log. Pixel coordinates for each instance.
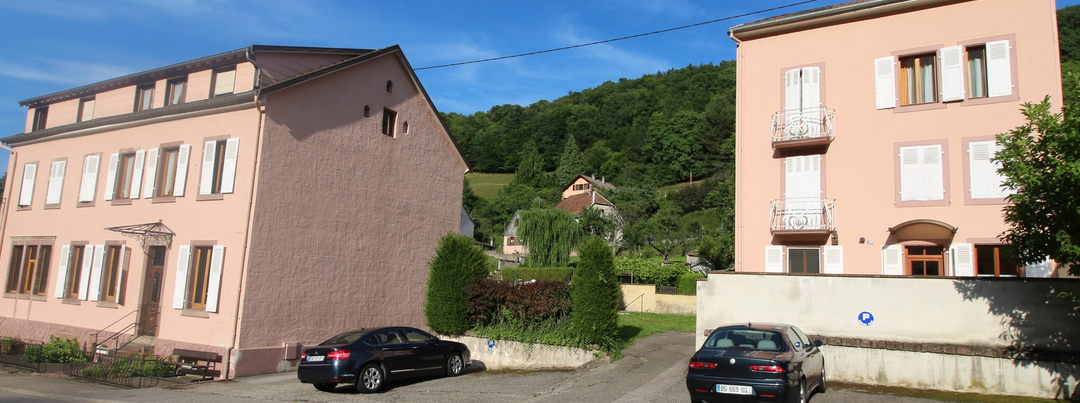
(866, 318)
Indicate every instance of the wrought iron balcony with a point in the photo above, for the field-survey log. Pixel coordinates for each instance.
(803, 127)
(803, 215)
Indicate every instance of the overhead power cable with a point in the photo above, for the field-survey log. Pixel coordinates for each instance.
(616, 39)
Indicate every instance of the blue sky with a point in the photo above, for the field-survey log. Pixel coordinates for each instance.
(53, 45)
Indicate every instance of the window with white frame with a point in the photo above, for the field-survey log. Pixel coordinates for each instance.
(222, 81)
(968, 71)
(802, 103)
(105, 282)
(70, 280)
(26, 191)
(56, 182)
(921, 173)
(219, 166)
(986, 182)
(88, 185)
(166, 171)
(198, 277)
(124, 179)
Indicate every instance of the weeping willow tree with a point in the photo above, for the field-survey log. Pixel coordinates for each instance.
(550, 235)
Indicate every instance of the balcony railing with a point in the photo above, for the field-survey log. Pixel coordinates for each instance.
(805, 215)
(808, 126)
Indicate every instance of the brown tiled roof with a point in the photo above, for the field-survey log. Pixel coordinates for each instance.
(579, 202)
(595, 183)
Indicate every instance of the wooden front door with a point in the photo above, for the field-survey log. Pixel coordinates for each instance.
(925, 261)
(150, 304)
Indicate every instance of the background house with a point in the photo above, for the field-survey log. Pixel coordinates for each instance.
(305, 188)
(577, 196)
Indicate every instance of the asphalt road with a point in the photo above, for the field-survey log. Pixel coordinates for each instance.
(653, 370)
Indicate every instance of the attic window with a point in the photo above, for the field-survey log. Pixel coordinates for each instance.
(367, 111)
(40, 115)
(405, 128)
(223, 81)
(389, 121)
(389, 86)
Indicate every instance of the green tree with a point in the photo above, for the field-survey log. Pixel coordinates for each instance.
(457, 262)
(550, 235)
(1041, 162)
(594, 295)
(665, 232)
(673, 148)
(1069, 33)
(718, 251)
(531, 167)
(594, 222)
(571, 163)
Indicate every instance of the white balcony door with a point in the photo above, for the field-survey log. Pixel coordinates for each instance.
(802, 103)
(802, 193)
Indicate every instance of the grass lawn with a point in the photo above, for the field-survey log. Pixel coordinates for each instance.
(633, 326)
(707, 219)
(487, 185)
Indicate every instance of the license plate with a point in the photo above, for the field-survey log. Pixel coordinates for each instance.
(315, 358)
(735, 389)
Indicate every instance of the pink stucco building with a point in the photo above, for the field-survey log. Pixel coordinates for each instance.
(865, 131)
(306, 188)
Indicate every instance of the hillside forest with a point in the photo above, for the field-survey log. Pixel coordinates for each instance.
(641, 135)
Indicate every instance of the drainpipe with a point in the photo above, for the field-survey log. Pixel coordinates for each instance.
(738, 179)
(12, 163)
(261, 107)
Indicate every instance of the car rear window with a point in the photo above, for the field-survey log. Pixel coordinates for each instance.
(344, 338)
(745, 338)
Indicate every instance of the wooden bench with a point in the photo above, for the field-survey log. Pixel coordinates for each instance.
(190, 362)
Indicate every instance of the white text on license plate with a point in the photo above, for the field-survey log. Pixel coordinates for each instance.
(735, 389)
(316, 358)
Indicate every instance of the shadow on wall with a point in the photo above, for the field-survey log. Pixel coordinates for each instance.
(1038, 325)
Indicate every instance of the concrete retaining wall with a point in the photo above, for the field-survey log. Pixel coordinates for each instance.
(497, 354)
(1033, 332)
(643, 298)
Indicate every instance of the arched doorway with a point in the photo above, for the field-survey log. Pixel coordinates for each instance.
(923, 244)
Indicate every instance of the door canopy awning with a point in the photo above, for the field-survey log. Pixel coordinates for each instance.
(151, 234)
(923, 230)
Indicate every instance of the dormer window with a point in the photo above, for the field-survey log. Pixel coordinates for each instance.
(86, 109)
(223, 80)
(175, 90)
(144, 97)
(40, 115)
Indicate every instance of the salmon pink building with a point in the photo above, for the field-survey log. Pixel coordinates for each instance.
(866, 131)
(241, 203)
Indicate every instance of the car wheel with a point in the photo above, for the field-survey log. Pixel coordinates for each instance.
(454, 365)
(370, 380)
(821, 386)
(325, 387)
(800, 395)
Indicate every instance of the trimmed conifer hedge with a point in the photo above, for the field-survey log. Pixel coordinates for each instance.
(457, 263)
(594, 295)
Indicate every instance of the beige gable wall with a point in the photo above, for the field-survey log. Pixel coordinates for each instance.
(859, 165)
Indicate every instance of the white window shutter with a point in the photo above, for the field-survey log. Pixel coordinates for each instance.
(834, 259)
(228, 167)
(933, 179)
(179, 183)
(811, 101)
(983, 173)
(61, 275)
(206, 182)
(998, 69)
(892, 260)
(96, 269)
(963, 259)
(212, 290)
(56, 182)
(885, 83)
(774, 259)
(89, 178)
(137, 173)
(952, 73)
(125, 254)
(151, 173)
(792, 103)
(26, 192)
(84, 278)
(180, 291)
(910, 174)
(110, 177)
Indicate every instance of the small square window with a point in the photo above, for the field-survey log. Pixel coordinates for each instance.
(223, 81)
(389, 122)
(144, 97)
(86, 109)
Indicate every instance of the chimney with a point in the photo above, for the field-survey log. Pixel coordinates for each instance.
(593, 176)
(602, 179)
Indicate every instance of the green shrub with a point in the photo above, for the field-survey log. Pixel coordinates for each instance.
(457, 263)
(649, 272)
(688, 283)
(512, 274)
(57, 350)
(594, 295)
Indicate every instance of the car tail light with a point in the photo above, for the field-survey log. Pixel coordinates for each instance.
(699, 364)
(339, 355)
(303, 357)
(776, 369)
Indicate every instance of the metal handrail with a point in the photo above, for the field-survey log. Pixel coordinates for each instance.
(117, 334)
(803, 213)
(801, 124)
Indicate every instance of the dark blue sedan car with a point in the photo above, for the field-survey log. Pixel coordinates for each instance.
(756, 362)
(370, 357)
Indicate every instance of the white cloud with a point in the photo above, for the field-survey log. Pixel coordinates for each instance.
(63, 71)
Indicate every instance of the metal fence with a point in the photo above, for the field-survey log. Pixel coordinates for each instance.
(127, 370)
(16, 352)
